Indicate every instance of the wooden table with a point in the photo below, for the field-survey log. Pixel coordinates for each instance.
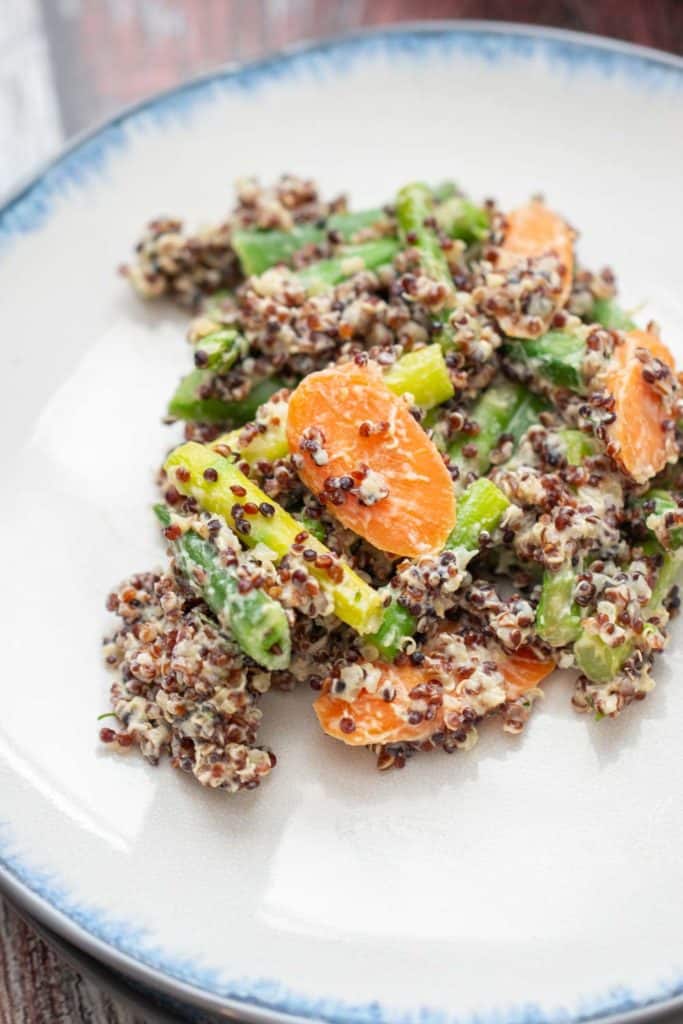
(75, 82)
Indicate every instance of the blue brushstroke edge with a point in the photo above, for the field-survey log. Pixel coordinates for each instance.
(31, 207)
(88, 158)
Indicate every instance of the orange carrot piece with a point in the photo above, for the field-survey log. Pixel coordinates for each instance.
(535, 230)
(374, 719)
(643, 446)
(522, 671)
(363, 427)
(371, 719)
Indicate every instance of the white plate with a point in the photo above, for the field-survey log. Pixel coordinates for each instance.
(537, 878)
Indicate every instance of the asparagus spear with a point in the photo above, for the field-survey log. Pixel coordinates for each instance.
(220, 350)
(397, 624)
(460, 218)
(504, 408)
(480, 509)
(219, 487)
(351, 260)
(257, 622)
(187, 403)
(558, 617)
(557, 356)
(609, 314)
(258, 250)
(598, 660)
(577, 445)
(423, 374)
(415, 212)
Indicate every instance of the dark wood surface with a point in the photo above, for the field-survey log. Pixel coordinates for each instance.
(86, 82)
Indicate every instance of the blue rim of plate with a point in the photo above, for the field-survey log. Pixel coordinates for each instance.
(121, 944)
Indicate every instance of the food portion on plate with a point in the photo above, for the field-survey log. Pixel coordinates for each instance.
(428, 460)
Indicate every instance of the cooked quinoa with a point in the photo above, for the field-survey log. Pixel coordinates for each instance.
(412, 481)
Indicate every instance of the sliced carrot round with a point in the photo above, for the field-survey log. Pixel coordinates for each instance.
(369, 461)
(535, 230)
(523, 671)
(643, 446)
(370, 719)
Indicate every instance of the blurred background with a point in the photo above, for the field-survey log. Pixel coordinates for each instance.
(67, 64)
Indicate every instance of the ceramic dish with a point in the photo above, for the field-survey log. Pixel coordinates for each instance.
(535, 879)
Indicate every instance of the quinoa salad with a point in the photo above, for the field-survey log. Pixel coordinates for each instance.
(428, 460)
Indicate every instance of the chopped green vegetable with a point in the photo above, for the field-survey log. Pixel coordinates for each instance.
(259, 250)
(661, 502)
(556, 356)
(220, 350)
(504, 408)
(600, 662)
(460, 218)
(577, 445)
(558, 617)
(424, 375)
(480, 509)
(414, 211)
(188, 404)
(355, 602)
(324, 274)
(257, 622)
(609, 314)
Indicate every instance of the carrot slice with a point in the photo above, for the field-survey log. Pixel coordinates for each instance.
(373, 719)
(644, 448)
(369, 719)
(535, 230)
(528, 302)
(522, 671)
(370, 461)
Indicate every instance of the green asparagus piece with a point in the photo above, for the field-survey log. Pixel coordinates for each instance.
(258, 250)
(598, 660)
(314, 527)
(556, 356)
(504, 408)
(320, 276)
(226, 491)
(460, 218)
(269, 444)
(187, 404)
(397, 624)
(257, 622)
(577, 445)
(446, 190)
(660, 502)
(220, 350)
(558, 617)
(414, 210)
(526, 415)
(424, 375)
(480, 509)
(609, 314)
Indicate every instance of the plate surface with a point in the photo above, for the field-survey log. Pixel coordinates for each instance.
(535, 878)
